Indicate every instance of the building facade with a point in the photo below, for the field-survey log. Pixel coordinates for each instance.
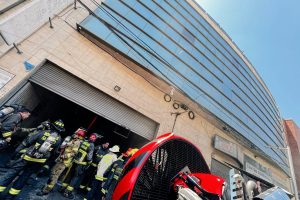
(144, 68)
(293, 138)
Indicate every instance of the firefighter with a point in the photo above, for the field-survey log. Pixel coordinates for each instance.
(103, 165)
(82, 161)
(39, 150)
(114, 173)
(46, 125)
(99, 152)
(10, 124)
(69, 148)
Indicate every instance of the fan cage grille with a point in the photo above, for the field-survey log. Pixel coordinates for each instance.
(162, 165)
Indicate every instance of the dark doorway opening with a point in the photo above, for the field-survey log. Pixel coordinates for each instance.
(53, 106)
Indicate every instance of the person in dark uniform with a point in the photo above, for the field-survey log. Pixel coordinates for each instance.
(40, 146)
(10, 124)
(81, 162)
(114, 173)
(99, 152)
(107, 160)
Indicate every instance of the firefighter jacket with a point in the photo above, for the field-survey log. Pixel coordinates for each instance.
(69, 151)
(41, 145)
(98, 155)
(85, 152)
(9, 124)
(104, 164)
(113, 174)
(115, 170)
(30, 131)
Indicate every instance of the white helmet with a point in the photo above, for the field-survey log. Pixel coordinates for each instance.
(115, 149)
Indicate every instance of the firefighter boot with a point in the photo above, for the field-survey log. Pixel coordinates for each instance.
(61, 187)
(69, 194)
(45, 191)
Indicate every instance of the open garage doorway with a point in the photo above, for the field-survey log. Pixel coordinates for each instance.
(52, 106)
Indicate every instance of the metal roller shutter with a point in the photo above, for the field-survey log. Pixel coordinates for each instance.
(74, 89)
(26, 96)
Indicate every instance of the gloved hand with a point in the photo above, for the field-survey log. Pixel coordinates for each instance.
(44, 125)
(28, 129)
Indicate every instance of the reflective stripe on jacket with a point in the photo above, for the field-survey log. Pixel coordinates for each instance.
(31, 159)
(85, 153)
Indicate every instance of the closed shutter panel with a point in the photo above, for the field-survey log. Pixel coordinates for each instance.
(81, 93)
(26, 96)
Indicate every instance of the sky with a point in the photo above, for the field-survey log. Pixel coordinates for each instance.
(268, 32)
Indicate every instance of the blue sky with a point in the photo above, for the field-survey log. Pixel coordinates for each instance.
(268, 32)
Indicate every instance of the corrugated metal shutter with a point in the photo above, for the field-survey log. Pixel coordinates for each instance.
(26, 96)
(79, 92)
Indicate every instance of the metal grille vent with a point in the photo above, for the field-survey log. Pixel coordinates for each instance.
(164, 163)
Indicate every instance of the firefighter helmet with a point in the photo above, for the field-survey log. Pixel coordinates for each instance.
(94, 136)
(80, 132)
(130, 152)
(133, 151)
(115, 149)
(59, 125)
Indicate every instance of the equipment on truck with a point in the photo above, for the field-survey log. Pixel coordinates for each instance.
(189, 186)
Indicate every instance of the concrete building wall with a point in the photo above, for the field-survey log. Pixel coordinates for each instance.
(293, 137)
(68, 49)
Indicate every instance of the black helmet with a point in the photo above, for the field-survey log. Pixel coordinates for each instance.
(59, 125)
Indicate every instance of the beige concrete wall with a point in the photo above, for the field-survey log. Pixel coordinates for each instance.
(67, 48)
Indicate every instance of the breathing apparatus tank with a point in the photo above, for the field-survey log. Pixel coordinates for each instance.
(65, 142)
(6, 110)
